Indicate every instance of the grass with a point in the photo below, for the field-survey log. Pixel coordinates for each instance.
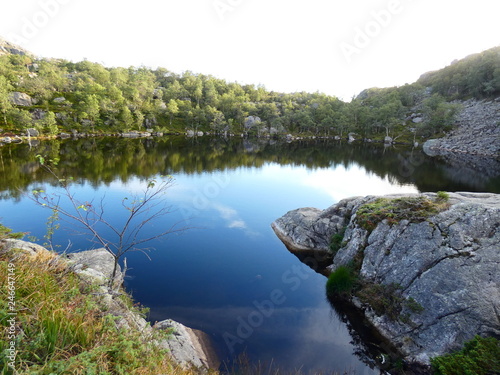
(336, 241)
(59, 326)
(413, 209)
(480, 356)
(341, 282)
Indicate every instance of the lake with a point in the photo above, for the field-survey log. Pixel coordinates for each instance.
(228, 274)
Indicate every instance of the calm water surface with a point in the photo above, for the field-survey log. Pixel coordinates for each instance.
(229, 275)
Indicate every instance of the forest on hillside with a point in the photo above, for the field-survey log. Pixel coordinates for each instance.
(54, 96)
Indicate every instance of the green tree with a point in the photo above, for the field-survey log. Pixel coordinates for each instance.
(48, 124)
(5, 104)
(172, 109)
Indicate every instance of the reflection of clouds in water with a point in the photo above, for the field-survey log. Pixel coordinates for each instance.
(306, 332)
(341, 183)
(232, 218)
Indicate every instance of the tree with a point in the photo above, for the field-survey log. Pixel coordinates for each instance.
(172, 109)
(48, 124)
(140, 211)
(5, 104)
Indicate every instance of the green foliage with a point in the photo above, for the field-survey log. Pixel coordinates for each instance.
(480, 356)
(439, 115)
(62, 329)
(443, 196)
(413, 209)
(340, 282)
(7, 233)
(336, 241)
(476, 76)
(383, 299)
(101, 99)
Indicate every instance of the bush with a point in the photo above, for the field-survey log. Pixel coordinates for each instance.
(340, 282)
(336, 241)
(480, 356)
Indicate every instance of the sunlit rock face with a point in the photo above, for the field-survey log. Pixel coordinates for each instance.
(447, 263)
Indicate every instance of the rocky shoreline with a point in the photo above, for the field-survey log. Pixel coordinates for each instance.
(477, 131)
(444, 267)
(188, 347)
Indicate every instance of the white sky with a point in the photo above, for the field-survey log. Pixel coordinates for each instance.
(286, 45)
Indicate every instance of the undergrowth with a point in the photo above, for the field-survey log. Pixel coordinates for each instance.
(57, 327)
(413, 209)
(480, 356)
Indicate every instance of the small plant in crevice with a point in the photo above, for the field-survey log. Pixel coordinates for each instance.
(341, 282)
(442, 196)
(388, 300)
(336, 241)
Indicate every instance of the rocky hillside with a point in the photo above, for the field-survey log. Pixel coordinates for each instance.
(428, 265)
(477, 131)
(7, 48)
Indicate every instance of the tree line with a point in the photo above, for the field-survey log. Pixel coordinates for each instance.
(64, 96)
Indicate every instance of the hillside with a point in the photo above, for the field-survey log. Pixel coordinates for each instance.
(54, 96)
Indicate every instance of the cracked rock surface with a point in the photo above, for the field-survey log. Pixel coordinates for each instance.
(449, 264)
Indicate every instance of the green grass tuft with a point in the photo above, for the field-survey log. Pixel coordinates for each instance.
(340, 282)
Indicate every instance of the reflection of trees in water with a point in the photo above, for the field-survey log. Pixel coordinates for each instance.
(369, 345)
(103, 160)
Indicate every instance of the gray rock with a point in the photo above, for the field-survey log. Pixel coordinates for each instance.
(476, 131)
(21, 99)
(388, 140)
(417, 120)
(27, 247)
(187, 346)
(59, 100)
(448, 263)
(251, 121)
(95, 265)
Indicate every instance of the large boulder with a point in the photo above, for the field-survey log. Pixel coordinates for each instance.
(446, 264)
(21, 99)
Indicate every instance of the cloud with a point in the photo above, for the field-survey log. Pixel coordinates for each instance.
(232, 218)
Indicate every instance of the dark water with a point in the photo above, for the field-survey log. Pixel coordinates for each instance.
(229, 275)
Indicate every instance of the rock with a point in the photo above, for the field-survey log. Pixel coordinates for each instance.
(448, 264)
(351, 137)
(189, 347)
(59, 100)
(388, 140)
(476, 132)
(6, 140)
(190, 133)
(21, 99)
(27, 247)
(251, 121)
(10, 48)
(199, 134)
(417, 120)
(96, 265)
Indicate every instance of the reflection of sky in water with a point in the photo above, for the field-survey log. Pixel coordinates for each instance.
(211, 276)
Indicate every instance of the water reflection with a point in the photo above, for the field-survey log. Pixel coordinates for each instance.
(230, 191)
(104, 160)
